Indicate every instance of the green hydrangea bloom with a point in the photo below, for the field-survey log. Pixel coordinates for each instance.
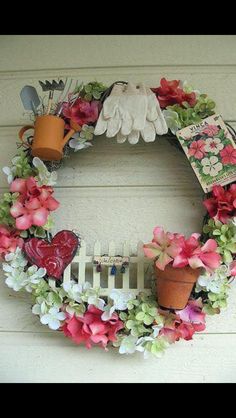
(5, 206)
(225, 236)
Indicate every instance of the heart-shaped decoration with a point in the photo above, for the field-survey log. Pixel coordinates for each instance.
(54, 256)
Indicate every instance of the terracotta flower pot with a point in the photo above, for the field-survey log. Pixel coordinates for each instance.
(174, 285)
(49, 139)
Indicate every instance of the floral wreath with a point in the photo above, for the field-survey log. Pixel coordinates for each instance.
(197, 269)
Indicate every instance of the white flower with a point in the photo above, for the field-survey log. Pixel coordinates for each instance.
(188, 88)
(211, 166)
(9, 174)
(53, 318)
(96, 301)
(78, 144)
(17, 277)
(120, 300)
(40, 308)
(128, 345)
(141, 345)
(34, 275)
(44, 177)
(213, 282)
(73, 290)
(233, 220)
(156, 330)
(213, 145)
(16, 258)
(172, 120)
(16, 280)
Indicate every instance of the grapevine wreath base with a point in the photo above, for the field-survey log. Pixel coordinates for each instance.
(33, 259)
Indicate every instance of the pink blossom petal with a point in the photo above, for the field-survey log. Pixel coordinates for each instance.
(18, 185)
(99, 338)
(97, 327)
(39, 217)
(180, 261)
(159, 235)
(152, 250)
(33, 204)
(24, 222)
(211, 260)
(233, 268)
(163, 260)
(17, 209)
(210, 245)
(51, 203)
(195, 262)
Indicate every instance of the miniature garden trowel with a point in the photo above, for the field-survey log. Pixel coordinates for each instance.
(30, 98)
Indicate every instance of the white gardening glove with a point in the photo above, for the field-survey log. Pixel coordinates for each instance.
(155, 123)
(124, 110)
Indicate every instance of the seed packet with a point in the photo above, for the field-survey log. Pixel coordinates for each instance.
(211, 151)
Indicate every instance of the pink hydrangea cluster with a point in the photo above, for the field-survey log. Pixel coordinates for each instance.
(168, 248)
(82, 112)
(221, 205)
(91, 329)
(185, 322)
(33, 204)
(9, 240)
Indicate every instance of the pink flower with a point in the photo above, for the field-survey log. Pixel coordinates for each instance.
(91, 329)
(197, 149)
(232, 267)
(185, 323)
(192, 312)
(82, 112)
(228, 155)
(195, 255)
(222, 205)
(168, 248)
(170, 93)
(33, 204)
(163, 247)
(211, 130)
(9, 240)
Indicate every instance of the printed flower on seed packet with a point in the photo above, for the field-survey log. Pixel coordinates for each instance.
(211, 166)
(211, 130)
(228, 155)
(197, 149)
(213, 145)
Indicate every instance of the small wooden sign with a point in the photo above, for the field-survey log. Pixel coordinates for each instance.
(211, 151)
(107, 260)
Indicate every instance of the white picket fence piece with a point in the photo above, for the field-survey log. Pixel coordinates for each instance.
(87, 270)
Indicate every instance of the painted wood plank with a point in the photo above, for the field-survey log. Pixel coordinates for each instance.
(218, 82)
(208, 358)
(39, 52)
(111, 278)
(96, 274)
(125, 275)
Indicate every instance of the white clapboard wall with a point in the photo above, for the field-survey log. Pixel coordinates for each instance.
(116, 192)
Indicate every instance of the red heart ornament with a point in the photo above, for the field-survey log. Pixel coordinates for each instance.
(54, 256)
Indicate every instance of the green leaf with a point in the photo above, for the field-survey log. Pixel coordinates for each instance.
(148, 320)
(140, 316)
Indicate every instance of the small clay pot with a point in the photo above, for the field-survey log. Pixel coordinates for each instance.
(174, 285)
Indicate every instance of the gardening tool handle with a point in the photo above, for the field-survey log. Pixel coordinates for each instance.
(23, 130)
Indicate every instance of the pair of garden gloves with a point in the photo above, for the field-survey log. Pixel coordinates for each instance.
(130, 111)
